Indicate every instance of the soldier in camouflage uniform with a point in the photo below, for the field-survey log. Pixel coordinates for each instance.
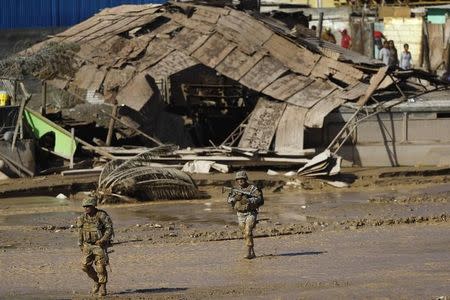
(246, 207)
(94, 236)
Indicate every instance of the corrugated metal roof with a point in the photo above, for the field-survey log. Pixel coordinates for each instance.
(54, 13)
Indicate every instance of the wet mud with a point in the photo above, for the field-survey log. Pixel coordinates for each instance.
(318, 242)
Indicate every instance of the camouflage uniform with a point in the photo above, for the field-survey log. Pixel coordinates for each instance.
(94, 236)
(246, 208)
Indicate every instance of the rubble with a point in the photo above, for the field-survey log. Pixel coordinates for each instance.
(231, 89)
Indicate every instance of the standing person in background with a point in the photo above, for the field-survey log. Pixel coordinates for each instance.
(384, 53)
(328, 36)
(393, 56)
(346, 40)
(405, 58)
(378, 39)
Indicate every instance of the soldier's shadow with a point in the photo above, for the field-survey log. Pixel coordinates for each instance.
(147, 291)
(294, 254)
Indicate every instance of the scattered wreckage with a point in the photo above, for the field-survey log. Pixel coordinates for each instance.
(233, 89)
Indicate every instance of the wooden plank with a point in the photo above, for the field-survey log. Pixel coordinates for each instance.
(262, 125)
(356, 91)
(89, 77)
(118, 78)
(188, 40)
(214, 50)
(286, 86)
(244, 30)
(99, 27)
(290, 131)
(315, 116)
(298, 59)
(130, 9)
(436, 41)
(171, 64)
(312, 93)
(136, 93)
(205, 15)
(205, 28)
(79, 28)
(156, 50)
(266, 71)
(374, 83)
(326, 67)
(237, 63)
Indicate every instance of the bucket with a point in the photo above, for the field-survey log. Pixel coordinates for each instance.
(4, 97)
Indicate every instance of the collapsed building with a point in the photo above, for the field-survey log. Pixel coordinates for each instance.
(241, 83)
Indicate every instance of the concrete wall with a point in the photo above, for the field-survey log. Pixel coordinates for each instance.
(405, 30)
(394, 139)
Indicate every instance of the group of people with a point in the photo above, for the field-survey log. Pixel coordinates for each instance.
(327, 35)
(384, 50)
(388, 53)
(95, 230)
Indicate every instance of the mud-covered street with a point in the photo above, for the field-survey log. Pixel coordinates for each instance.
(377, 239)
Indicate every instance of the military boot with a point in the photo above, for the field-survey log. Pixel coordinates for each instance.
(95, 288)
(250, 253)
(102, 290)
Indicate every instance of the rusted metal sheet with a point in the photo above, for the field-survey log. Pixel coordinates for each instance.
(290, 131)
(247, 32)
(312, 94)
(297, 59)
(315, 116)
(156, 50)
(374, 83)
(266, 71)
(237, 63)
(188, 40)
(171, 64)
(286, 86)
(262, 125)
(214, 50)
(136, 93)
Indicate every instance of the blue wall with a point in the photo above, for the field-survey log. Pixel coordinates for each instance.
(54, 13)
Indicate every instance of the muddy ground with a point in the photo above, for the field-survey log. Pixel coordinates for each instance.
(386, 236)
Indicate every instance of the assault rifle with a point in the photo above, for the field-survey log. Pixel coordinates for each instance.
(236, 191)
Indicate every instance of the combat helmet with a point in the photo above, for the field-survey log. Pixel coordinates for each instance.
(241, 175)
(89, 202)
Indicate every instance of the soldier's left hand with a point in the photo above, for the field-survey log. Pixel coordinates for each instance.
(99, 243)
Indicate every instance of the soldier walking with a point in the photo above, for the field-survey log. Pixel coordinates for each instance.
(94, 236)
(245, 200)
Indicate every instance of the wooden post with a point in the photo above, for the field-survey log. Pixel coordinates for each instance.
(15, 93)
(44, 99)
(72, 134)
(319, 30)
(426, 46)
(111, 125)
